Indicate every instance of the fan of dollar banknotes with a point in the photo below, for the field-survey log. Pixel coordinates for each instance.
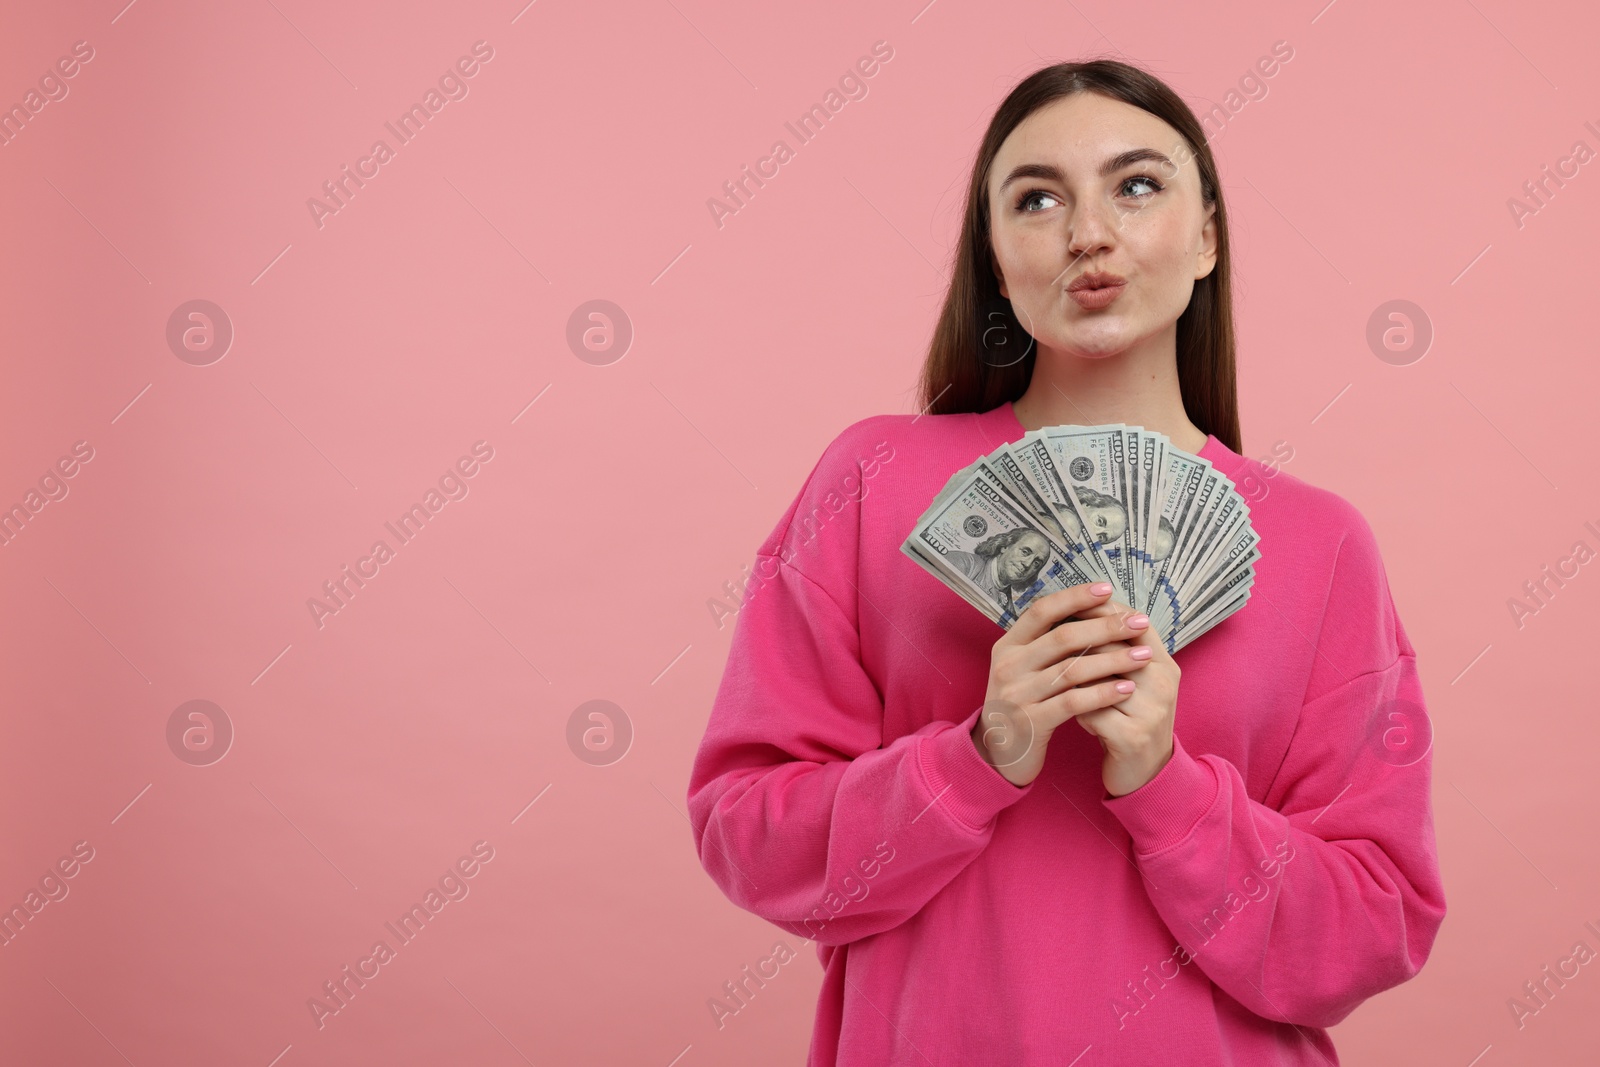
(1072, 504)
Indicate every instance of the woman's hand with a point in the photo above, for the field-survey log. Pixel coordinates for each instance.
(1041, 674)
(1136, 732)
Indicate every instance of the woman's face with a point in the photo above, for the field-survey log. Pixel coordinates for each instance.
(1056, 212)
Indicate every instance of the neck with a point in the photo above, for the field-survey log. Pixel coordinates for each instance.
(1138, 386)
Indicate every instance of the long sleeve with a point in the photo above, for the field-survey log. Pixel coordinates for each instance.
(1302, 906)
(798, 815)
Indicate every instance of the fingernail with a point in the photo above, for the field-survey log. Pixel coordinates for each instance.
(1124, 687)
(1138, 622)
(1142, 652)
(1100, 588)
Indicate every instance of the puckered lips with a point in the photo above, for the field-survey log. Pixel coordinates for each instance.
(1094, 290)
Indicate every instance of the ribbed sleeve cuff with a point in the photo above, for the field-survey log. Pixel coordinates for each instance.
(1161, 812)
(961, 780)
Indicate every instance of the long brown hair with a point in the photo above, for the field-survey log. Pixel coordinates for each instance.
(972, 363)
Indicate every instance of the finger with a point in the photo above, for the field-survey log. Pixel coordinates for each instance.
(1086, 698)
(1149, 638)
(1048, 610)
(1075, 637)
(1088, 669)
(1105, 607)
(1145, 635)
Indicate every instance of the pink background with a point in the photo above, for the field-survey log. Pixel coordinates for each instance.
(370, 753)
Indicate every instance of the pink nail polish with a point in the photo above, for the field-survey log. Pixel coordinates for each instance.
(1124, 686)
(1138, 622)
(1142, 652)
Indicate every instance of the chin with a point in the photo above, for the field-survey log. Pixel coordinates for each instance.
(1094, 347)
(1099, 334)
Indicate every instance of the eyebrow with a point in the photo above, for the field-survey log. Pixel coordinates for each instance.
(1050, 172)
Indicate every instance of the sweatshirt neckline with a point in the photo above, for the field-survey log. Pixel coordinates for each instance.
(1003, 421)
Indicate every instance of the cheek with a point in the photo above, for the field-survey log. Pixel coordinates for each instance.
(1027, 256)
(1166, 246)
(1162, 255)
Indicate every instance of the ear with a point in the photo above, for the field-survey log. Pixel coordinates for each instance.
(1206, 260)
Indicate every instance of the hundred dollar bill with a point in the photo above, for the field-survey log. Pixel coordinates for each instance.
(1089, 460)
(1185, 492)
(1216, 607)
(1223, 525)
(1040, 485)
(983, 543)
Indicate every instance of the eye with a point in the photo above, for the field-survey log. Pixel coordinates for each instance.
(1028, 197)
(1155, 186)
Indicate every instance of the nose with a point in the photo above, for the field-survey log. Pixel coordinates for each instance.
(1091, 228)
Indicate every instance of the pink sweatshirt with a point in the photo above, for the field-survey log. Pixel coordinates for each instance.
(1279, 870)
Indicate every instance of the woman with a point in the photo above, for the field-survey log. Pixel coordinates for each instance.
(1202, 873)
